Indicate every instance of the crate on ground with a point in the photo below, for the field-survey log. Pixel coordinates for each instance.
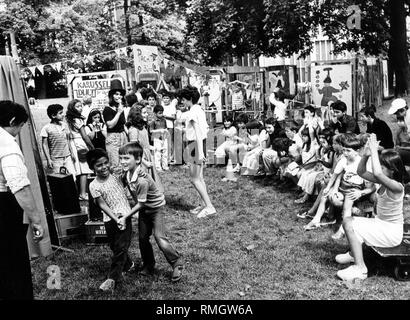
(95, 232)
(70, 225)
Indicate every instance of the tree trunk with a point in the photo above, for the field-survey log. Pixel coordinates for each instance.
(398, 46)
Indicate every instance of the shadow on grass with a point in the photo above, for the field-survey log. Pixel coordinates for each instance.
(177, 203)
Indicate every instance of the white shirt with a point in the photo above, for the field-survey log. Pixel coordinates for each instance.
(170, 111)
(196, 114)
(280, 110)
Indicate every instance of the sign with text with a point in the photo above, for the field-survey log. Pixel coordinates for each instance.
(146, 59)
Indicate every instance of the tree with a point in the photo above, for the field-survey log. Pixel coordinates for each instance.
(270, 27)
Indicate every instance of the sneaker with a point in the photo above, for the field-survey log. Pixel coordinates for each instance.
(237, 168)
(206, 212)
(108, 285)
(177, 273)
(344, 258)
(351, 273)
(196, 210)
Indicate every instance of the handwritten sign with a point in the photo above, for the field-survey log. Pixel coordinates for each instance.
(146, 59)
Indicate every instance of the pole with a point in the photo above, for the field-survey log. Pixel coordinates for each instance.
(14, 52)
(127, 23)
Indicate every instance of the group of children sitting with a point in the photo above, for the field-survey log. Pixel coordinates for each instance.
(345, 169)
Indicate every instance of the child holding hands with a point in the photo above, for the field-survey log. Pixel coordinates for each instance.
(149, 203)
(386, 229)
(110, 196)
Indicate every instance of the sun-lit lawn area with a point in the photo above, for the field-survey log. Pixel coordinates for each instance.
(254, 248)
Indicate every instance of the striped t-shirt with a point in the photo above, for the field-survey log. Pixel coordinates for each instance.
(56, 135)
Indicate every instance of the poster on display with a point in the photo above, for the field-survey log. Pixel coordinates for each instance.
(282, 77)
(146, 59)
(332, 82)
(96, 86)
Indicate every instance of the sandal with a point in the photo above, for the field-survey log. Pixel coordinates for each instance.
(177, 273)
(312, 226)
(304, 215)
(81, 198)
(300, 200)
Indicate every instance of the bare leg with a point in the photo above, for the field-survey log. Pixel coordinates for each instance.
(196, 177)
(83, 185)
(356, 249)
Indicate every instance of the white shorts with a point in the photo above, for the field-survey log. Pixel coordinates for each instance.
(377, 233)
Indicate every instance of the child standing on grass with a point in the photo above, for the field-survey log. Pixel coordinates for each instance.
(110, 196)
(196, 130)
(159, 132)
(386, 229)
(150, 204)
(55, 140)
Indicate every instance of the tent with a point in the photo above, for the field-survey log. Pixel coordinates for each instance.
(11, 88)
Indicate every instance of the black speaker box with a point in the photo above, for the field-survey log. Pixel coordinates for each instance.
(64, 193)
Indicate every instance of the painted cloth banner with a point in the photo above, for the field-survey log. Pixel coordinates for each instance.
(332, 82)
(146, 59)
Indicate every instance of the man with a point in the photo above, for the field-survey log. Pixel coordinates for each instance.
(340, 121)
(377, 126)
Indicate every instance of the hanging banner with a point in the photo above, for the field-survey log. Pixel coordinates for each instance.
(41, 69)
(146, 59)
(332, 82)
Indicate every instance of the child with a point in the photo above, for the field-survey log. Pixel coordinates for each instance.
(324, 158)
(96, 129)
(269, 161)
(352, 186)
(228, 133)
(386, 229)
(170, 111)
(137, 131)
(258, 143)
(159, 131)
(80, 142)
(196, 130)
(55, 140)
(110, 196)
(278, 102)
(238, 149)
(149, 205)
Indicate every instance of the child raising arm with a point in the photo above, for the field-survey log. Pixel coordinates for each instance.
(386, 229)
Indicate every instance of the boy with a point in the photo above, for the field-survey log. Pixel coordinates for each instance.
(340, 121)
(158, 129)
(169, 114)
(55, 140)
(110, 196)
(150, 204)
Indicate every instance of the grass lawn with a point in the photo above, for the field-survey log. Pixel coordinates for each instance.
(254, 248)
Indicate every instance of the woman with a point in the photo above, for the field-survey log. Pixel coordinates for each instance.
(16, 197)
(80, 142)
(115, 120)
(196, 129)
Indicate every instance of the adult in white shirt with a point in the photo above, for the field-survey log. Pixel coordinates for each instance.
(196, 130)
(18, 208)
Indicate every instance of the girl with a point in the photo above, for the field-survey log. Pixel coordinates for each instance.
(258, 142)
(137, 131)
(228, 134)
(238, 150)
(308, 157)
(115, 119)
(321, 181)
(96, 129)
(196, 129)
(324, 156)
(80, 142)
(386, 229)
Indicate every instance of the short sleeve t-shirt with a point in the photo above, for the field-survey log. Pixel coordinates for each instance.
(230, 133)
(350, 175)
(56, 135)
(280, 110)
(170, 111)
(196, 114)
(109, 114)
(114, 195)
(143, 189)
